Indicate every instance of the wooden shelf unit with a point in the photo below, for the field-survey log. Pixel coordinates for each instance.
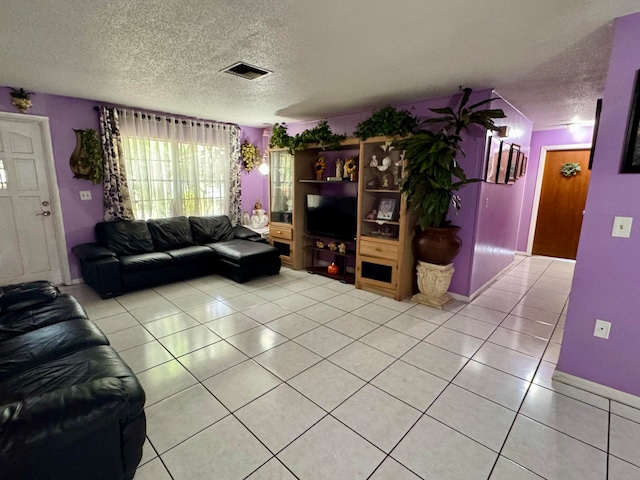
(384, 259)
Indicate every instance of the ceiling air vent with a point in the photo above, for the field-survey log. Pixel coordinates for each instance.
(247, 71)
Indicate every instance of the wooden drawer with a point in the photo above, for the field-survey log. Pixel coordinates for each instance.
(286, 233)
(378, 250)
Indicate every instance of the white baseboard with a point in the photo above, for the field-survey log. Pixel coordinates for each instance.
(475, 294)
(461, 298)
(77, 281)
(598, 389)
(522, 254)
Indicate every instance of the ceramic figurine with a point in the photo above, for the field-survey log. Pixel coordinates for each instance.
(342, 248)
(371, 215)
(374, 161)
(339, 166)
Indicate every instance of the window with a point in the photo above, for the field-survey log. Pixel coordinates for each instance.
(3, 177)
(175, 167)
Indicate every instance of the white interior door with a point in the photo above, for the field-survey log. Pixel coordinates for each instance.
(28, 245)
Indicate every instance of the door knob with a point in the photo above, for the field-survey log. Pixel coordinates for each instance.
(46, 213)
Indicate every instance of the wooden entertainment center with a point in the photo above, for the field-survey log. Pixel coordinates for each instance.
(379, 259)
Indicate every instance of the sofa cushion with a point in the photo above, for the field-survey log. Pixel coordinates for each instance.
(211, 229)
(197, 253)
(144, 261)
(170, 233)
(62, 308)
(125, 238)
(23, 295)
(244, 252)
(39, 346)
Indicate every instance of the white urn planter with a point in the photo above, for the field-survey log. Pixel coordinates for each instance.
(433, 283)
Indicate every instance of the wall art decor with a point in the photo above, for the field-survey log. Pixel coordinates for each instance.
(512, 165)
(631, 152)
(503, 163)
(493, 154)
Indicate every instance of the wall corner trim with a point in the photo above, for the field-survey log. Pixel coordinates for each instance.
(597, 389)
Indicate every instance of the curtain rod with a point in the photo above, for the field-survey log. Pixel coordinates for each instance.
(184, 122)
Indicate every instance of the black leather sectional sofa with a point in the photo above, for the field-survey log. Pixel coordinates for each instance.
(70, 408)
(139, 254)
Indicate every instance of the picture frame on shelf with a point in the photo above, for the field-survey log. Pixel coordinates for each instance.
(386, 209)
(512, 165)
(493, 153)
(631, 155)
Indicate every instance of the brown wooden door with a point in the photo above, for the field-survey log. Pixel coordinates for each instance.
(562, 201)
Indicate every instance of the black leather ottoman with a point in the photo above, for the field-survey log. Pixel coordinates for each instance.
(241, 260)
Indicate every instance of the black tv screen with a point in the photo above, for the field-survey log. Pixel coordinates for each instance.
(332, 216)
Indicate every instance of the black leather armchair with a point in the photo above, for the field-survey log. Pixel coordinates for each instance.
(70, 408)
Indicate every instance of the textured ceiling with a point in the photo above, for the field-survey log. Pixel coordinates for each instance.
(330, 57)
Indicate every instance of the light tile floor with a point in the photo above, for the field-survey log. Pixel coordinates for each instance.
(299, 376)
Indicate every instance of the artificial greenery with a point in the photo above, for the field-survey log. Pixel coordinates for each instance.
(321, 135)
(280, 138)
(20, 93)
(570, 169)
(249, 154)
(387, 122)
(431, 160)
(92, 154)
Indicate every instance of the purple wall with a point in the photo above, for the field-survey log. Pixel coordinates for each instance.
(539, 139)
(80, 217)
(497, 211)
(605, 284)
(254, 184)
(487, 251)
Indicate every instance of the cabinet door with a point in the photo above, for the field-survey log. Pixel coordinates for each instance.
(281, 178)
(377, 272)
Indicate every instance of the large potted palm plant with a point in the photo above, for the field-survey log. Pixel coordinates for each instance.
(434, 176)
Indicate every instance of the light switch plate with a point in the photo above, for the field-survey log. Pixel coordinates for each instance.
(622, 227)
(85, 195)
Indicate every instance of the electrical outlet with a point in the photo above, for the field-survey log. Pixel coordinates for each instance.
(622, 227)
(85, 195)
(602, 329)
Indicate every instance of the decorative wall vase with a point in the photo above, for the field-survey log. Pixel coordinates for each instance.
(86, 160)
(332, 269)
(22, 104)
(21, 99)
(78, 162)
(318, 175)
(437, 245)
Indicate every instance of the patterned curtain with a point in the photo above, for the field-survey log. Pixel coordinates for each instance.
(235, 211)
(117, 203)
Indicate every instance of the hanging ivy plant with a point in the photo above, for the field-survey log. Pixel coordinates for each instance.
(321, 135)
(280, 138)
(387, 122)
(570, 169)
(92, 149)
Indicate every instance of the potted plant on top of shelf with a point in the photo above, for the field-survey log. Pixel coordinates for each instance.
(434, 176)
(387, 122)
(321, 135)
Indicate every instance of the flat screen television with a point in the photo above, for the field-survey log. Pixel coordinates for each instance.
(332, 216)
